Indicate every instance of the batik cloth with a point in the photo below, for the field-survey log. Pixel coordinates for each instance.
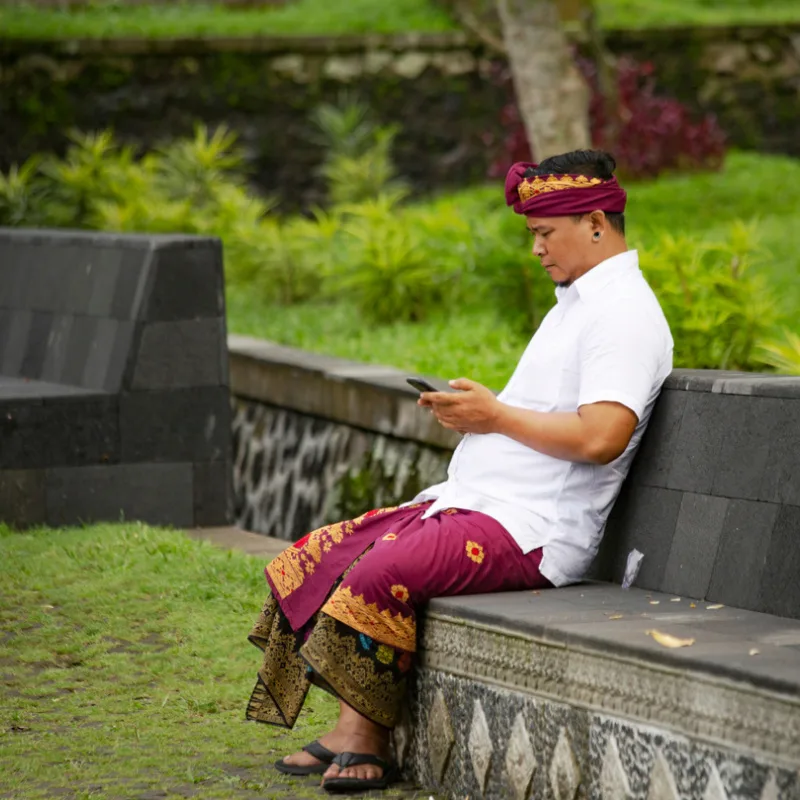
(342, 612)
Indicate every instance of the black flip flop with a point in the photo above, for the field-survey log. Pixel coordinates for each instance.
(343, 785)
(320, 752)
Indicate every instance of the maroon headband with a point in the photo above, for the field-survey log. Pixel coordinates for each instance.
(561, 195)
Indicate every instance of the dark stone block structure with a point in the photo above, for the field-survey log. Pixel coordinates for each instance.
(713, 497)
(113, 379)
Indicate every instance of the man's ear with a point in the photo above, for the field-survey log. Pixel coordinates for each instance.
(598, 221)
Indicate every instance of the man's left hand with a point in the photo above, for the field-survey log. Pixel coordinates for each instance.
(471, 409)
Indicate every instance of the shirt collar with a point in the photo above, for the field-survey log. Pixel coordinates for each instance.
(592, 282)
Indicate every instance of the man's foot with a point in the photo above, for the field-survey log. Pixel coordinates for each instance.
(305, 759)
(366, 744)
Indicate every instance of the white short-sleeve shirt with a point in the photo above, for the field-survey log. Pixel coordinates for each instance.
(605, 340)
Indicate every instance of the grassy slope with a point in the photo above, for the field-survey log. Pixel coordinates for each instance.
(357, 16)
(125, 671)
(480, 344)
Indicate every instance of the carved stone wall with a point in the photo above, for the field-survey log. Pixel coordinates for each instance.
(501, 715)
(294, 473)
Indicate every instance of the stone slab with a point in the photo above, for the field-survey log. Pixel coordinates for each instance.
(98, 359)
(780, 586)
(780, 483)
(180, 354)
(751, 425)
(36, 346)
(59, 429)
(698, 446)
(213, 493)
(176, 425)
(322, 386)
(187, 281)
(657, 449)
(158, 494)
(743, 547)
(232, 538)
(12, 389)
(57, 348)
(643, 518)
(14, 346)
(694, 545)
(581, 616)
(134, 270)
(751, 384)
(22, 498)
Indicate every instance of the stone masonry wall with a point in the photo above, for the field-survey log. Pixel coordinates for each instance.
(438, 88)
(319, 439)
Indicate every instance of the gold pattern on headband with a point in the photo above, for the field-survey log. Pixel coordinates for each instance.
(553, 183)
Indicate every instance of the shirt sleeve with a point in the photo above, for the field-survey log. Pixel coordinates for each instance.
(622, 352)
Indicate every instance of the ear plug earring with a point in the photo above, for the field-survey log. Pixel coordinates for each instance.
(596, 237)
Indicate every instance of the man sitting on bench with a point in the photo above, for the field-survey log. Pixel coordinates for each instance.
(528, 490)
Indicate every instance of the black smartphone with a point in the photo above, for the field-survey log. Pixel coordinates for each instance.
(421, 385)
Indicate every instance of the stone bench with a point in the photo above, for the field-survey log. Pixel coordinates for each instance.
(567, 694)
(564, 693)
(114, 399)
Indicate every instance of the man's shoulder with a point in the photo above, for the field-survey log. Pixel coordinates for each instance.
(631, 310)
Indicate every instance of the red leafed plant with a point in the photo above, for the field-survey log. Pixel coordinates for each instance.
(652, 133)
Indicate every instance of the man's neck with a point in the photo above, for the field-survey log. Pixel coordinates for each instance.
(606, 250)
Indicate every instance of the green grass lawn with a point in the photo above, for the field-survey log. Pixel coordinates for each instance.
(125, 670)
(480, 343)
(353, 16)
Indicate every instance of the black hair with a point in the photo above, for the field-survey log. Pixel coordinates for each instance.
(592, 163)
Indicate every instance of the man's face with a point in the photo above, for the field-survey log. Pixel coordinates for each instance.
(563, 245)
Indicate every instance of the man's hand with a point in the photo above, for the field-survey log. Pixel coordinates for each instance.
(472, 409)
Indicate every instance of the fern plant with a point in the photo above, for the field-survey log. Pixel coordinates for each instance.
(343, 129)
(23, 194)
(718, 306)
(783, 356)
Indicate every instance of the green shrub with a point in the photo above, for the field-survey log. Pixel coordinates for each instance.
(385, 267)
(719, 308)
(23, 194)
(358, 163)
(393, 264)
(782, 356)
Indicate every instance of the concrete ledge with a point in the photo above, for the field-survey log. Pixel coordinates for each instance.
(365, 396)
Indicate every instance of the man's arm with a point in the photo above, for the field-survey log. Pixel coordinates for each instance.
(597, 433)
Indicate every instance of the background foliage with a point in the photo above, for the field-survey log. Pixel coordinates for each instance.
(108, 18)
(442, 287)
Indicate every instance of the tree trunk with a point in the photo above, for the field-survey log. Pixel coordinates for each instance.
(552, 95)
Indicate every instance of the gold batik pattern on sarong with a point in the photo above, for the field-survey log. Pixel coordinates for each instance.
(369, 676)
(283, 679)
(392, 629)
(289, 570)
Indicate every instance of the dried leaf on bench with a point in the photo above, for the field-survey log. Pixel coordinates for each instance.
(755, 651)
(715, 607)
(616, 616)
(692, 605)
(667, 640)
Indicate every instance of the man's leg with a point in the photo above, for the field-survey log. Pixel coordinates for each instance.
(354, 733)
(448, 554)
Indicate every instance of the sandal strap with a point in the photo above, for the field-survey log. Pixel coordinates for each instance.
(320, 752)
(344, 760)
